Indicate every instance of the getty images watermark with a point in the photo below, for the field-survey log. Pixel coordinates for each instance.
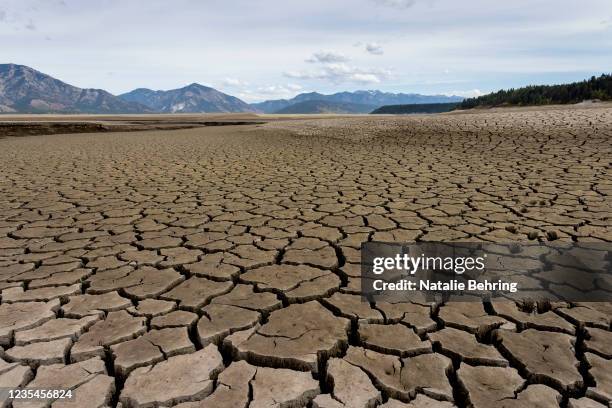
(432, 271)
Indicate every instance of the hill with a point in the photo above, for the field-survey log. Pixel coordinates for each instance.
(316, 106)
(374, 99)
(26, 90)
(593, 88)
(194, 98)
(416, 108)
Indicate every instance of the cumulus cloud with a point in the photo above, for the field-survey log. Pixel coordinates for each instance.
(2, 15)
(294, 87)
(284, 91)
(278, 89)
(365, 78)
(398, 4)
(374, 49)
(341, 73)
(326, 57)
(471, 93)
(234, 82)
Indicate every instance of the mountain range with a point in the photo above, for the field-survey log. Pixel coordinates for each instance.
(26, 90)
(371, 99)
(193, 98)
(323, 106)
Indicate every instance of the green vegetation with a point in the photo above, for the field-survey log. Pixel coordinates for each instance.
(593, 88)
(417, 108)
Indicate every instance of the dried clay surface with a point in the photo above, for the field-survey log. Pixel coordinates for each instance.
(219, 266)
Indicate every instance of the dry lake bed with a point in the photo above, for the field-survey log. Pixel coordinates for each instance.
(168, 261)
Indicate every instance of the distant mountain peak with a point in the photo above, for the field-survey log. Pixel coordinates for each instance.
(371, 98)
(10, 65)
(26, 90)
(195, 85)
(192, 98)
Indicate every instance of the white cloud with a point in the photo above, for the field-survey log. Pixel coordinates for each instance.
(374, 49)
(300, 74)
(294, 87)
(327, 57)
(365, 78)
(273, 89)
(472, 93)
(234, 82)
(525, 42)
(399, 4)
(341, 73)
(285, 91)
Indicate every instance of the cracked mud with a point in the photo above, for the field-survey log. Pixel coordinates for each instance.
(219, 267)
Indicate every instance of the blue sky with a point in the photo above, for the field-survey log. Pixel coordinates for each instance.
(267, 49)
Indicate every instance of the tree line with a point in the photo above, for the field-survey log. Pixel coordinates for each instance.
(593, 88)
(416, 108)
